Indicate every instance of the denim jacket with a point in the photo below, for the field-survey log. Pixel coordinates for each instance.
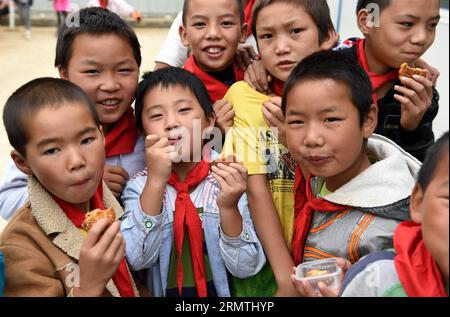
(149, 240)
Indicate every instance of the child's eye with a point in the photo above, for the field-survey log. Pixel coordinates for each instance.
(407, 24)
(91, 71)
(297, 30)
(266, 36)
(198, 25)
(332, 120)
(156, 116)
(433, 26)
(295, 122)
(125, 70)
(51, 151)
(184, 109)
(227, 23)
(87, 140)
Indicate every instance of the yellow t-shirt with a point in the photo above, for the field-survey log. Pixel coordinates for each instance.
(256, 145)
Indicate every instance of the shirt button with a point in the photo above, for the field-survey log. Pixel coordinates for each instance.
(148, 224)
(247, 236)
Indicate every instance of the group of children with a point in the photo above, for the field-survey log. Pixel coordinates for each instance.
(220, 189)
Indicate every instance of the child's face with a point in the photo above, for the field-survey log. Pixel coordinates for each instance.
(213, 30)
(430, 208)
(324, 133)
(407, 29)
(175, 113)
(65, 152)
(286, 34)
(105, 68)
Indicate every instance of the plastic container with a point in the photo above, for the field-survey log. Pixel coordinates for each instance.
(326, 271)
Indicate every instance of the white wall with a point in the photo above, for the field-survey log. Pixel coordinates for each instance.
(437, 55)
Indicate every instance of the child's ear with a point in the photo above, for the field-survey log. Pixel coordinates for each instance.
(211, 120)
(415, 204)
(362, 21)
(21, 163)
(244, 31)
(371, 121)
(330, 41)
(63, 73)
(183, 35)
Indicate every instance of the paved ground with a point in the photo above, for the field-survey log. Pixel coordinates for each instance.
(22, 61)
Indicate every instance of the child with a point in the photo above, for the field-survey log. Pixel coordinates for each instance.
(120, 7)
(213, 30)
(23, 7)
(174, 53)
(172, 197)
(404, 33)
(62, 8)
(360, 184)
(418, 265)
(286, 32)
(58, 143)
(102, 56)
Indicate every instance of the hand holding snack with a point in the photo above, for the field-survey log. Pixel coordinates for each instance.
(321, 278)
(414, 96)
(100, 257)
(158, 156)
(232, 177)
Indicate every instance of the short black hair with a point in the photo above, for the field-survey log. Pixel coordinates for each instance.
(338, 67)
(35, 95)
(239, 3)
(94, 21)
(363, 4)
(317, 9)
(434, 155)
(171, 77)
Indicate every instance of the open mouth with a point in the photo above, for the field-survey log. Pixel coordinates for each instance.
(110, 103)
(175, 139)
(214, 51)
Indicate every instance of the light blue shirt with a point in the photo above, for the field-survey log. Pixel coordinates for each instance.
(149, 239)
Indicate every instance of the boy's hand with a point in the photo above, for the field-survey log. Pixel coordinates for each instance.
(233, 183)
(256, 76)
(415, 99)
(245, 54)
(115, 178)
(274, 117)
(224, 115)
(434, 72)
(158, 156)
(100, 257)
(305, 289)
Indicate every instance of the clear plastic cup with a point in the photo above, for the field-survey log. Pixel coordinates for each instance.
(325, 271)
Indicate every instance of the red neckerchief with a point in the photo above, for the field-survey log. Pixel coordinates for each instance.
(376, 79)
(277, 87)
(186, 217)
(248, 16)
(305, 205)
(103, 3)
(418, 272)
(216, 89)
(121, 279)
(123, 136)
